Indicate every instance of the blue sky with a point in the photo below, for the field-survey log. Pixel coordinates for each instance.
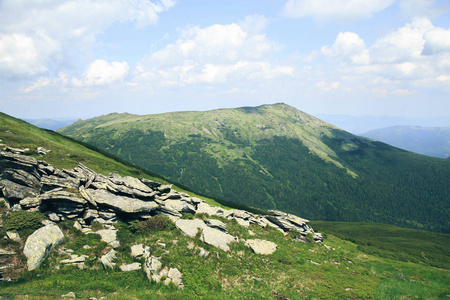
(84, 58)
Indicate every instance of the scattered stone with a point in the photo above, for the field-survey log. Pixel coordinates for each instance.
(348, 289)
(42, 150)
(109, 236)
(40, 243)
(14, 236)
(261, 246)
(203, 252)
(251, 233)
(400, 276)
(175, 277)
(152, 266)
(107, 260)
(256, 278)
(130, 267)
(313, 262)
(69, 295)
(139, 251)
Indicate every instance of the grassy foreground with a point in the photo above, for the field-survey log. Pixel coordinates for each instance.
(342, 270)
(295, 271)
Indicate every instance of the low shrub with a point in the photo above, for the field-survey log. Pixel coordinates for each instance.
(20, 220)
(156, 223)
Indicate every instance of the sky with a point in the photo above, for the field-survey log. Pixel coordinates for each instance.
(85, 58)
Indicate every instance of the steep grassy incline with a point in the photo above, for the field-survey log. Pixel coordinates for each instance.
(67, 153)
(275, 156)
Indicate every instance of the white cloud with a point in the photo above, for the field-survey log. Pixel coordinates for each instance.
(403, 44)
(100, 72)
(342, 10)
(41, 34)
(348, 47)
(437, 40)
(18, 54)
(413, 56)
(215, 54)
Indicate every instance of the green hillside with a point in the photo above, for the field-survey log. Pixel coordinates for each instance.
(66, 153)
(275, 156)
(432, 141)
(349, 265)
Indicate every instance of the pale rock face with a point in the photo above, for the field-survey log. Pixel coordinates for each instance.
(261, 246)
(40, 243)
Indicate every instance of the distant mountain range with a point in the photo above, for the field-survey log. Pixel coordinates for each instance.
(362, 124)
(432, 141)
(52, 124)
(275, 156)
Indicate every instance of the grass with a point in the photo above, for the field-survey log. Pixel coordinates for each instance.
(393, 242)
(343, 273)
(363, 260)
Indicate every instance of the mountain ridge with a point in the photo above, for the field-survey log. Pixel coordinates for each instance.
(277, 157)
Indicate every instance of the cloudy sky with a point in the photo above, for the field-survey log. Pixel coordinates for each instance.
(84, 58)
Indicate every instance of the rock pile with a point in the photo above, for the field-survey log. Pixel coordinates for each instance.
(87, 197)
(83, 194)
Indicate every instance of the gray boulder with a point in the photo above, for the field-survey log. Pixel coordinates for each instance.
(130, 267)
(261, 246)
(40, 243)
(217, 238)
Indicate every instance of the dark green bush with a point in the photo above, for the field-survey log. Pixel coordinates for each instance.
(156, 223)
(19, 220)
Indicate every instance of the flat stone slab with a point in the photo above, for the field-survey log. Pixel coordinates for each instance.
(261, 246)
(130, 267)
(121, 203)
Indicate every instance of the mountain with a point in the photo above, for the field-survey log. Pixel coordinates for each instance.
(277, 157)
(100, 247)
(361, 124)
(432, 141)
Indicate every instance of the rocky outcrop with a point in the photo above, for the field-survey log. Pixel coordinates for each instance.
(40, 243)
(88, 197)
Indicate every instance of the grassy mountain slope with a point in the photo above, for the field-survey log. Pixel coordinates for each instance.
(275, 156)
(295, 271)
(67, 153)
(432, 141)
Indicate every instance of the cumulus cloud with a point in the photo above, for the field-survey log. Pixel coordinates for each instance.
(403, 44)
(215, 54)
(342, 10)
(348, 47)
(414, 55)
(437, 40)
(102, 73)
(41, 33)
